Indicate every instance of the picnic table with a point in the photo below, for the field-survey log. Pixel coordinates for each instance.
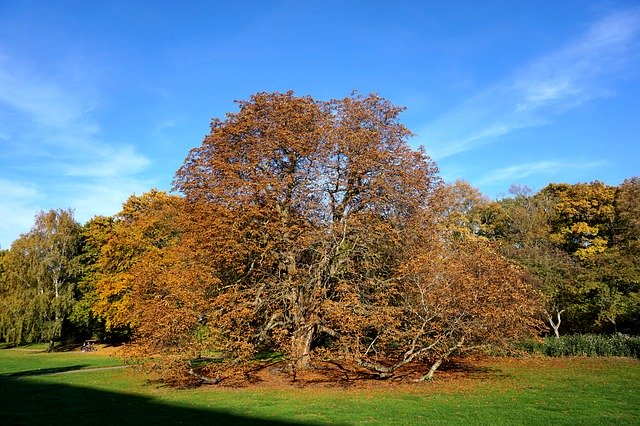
(88, 346)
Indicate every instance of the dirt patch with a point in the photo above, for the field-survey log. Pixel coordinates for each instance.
(330, 375)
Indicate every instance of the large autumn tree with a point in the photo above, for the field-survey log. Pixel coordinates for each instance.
(307, 226)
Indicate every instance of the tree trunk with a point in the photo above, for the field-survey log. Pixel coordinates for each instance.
(432, 370)
(301, 347)
(555, 326)
(51, 346)
(439, 361)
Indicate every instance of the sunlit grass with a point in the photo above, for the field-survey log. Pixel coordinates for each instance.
(505, 391)
(34, 360)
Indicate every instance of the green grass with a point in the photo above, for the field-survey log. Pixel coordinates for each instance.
(528, 391)
(32, 360)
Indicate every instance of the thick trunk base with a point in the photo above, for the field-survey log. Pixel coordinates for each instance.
(301, 349)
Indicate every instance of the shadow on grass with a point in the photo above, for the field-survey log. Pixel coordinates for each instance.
(26, 402)
(473, 371)
(43, 371)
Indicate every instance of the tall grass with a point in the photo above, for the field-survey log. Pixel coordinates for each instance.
(586, 345)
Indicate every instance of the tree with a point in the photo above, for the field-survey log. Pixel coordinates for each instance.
(528, 241)
(145, 224)
(616, 271)
(627, 212)
(95, 234)
(583, 217)
(41, 271)
(296, 225)
(577, 241)
(299, 190)
(522, 228)
(597, 224)
(464, 208)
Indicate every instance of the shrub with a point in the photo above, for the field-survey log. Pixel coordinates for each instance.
(586, 345)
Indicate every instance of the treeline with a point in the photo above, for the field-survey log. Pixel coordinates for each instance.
(581, 243)
(308, 231)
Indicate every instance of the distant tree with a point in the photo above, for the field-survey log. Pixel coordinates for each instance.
(95, 234)
(40, 274)
(520, 227)
(145, 224)
(529, 242)
(597, 224)
(5, 295)
(583, 218)
(627, 211)
(616, 271)
(463, 208)
(575, 241)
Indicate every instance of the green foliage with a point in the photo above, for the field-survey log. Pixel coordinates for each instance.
(41, 270)
(579, 243)
(95, 233)
(586, 345)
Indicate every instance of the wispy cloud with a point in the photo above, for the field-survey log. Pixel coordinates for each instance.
(108, 161)
(53, 153)
(166, 125)
(546, 167)
(46, 102)
(563, 79)
(17, 209)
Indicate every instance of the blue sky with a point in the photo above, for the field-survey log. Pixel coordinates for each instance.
(100, 100)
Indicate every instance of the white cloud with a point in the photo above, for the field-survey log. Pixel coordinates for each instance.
(108, 161)
(520, 171)
(46, 102)
(103, 198)
(17, 210)
(561, 80)
(54, 147)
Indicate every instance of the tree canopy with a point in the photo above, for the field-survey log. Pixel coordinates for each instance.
(307, 230)
(40, 273)
(580, 243)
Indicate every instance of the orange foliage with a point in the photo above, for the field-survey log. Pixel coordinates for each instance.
(145, 225)
(311, 229)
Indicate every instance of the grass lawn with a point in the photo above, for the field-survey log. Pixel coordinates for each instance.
(33, 360)
(499, 391)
